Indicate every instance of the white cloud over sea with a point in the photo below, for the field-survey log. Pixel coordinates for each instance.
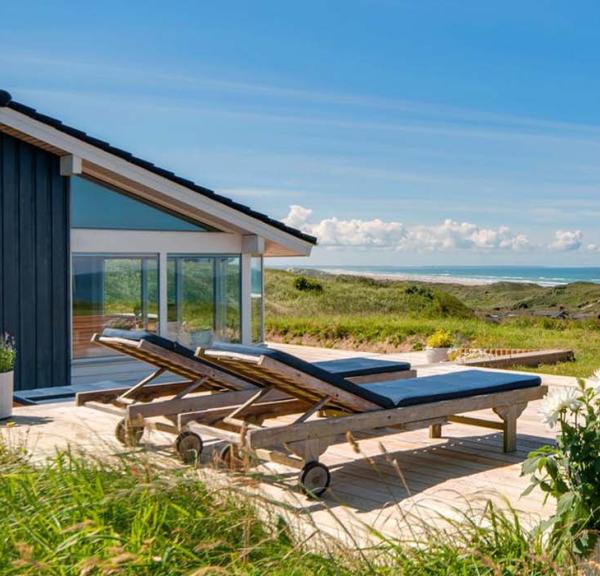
(392, 235)
(567, 240)
(448, 235)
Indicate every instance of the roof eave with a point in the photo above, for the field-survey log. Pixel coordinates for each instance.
(17, 120)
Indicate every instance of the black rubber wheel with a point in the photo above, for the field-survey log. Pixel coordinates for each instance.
(315, 479)
(189, 446)
(229, 457)
(127, 434)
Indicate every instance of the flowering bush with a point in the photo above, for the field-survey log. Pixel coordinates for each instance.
(570, 470)
(7, 353)
(440, 339)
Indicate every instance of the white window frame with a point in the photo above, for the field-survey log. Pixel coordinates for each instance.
(163, 243)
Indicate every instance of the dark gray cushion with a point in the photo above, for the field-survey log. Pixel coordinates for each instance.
(394, 393)
(307, 368)
(350, 367)
(137, 335)
(412, 391)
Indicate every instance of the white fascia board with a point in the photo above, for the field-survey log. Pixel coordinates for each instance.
(72, 145)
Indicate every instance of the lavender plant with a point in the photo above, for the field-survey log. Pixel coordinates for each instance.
(8, 353)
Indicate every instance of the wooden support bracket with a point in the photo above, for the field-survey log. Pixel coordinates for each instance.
(510, 415)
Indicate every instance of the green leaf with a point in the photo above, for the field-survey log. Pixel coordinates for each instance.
(565, 503)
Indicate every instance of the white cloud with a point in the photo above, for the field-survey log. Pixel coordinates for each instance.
(366, 233)
(297, 217)
(449, 235)
(593, 247)
(452, 235)
(567, 240)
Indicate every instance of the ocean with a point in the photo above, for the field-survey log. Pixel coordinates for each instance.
(542, 275)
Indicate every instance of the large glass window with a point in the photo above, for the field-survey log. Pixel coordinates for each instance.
(227, 299)
(94, 205)
(257, 304)
(112, 291)
(203, 299)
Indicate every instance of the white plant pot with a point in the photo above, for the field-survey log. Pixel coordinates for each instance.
(6, 394)
(435, 355)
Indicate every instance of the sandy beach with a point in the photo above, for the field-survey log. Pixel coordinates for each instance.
(432, 279)
(466, 276)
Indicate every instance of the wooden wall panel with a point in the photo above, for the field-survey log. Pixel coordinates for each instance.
(34, 263)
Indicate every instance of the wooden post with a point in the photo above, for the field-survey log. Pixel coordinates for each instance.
(70, 165)
(510, 415)
(435, 431)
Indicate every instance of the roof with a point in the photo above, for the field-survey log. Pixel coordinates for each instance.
(7, 102)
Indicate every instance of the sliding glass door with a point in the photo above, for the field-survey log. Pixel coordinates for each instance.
(122, 291)
(203, 299)
(112, 291)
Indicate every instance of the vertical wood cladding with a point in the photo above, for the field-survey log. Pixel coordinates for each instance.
(34, 263)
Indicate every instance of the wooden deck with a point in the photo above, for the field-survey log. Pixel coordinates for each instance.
(394, 483)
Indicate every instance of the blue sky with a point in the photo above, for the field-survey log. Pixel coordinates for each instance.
(402, 132)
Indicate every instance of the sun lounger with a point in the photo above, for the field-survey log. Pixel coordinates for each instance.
(375, 407)
(166, 398)
(147, 399)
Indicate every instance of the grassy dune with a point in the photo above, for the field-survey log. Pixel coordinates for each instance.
(381, 315)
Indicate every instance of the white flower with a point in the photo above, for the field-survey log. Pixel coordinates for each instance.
(594, 382)
(557, 402)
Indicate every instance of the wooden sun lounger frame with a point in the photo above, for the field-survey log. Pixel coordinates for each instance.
(145, 398)
(307, 440)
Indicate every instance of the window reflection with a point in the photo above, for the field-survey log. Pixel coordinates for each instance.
(94, 205)
(111, 291)
(203, 299)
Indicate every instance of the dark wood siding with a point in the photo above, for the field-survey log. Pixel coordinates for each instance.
(34, 263)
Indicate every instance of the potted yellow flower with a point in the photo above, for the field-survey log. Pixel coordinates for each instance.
(7, 366)
(438, 346)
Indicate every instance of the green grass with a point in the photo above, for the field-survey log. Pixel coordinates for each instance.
(576, 297)
(364, 313)
(75, 516)
(378, 295)
(356, 295)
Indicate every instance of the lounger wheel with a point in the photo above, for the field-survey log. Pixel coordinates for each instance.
(315, 479)
(127, 434)
(229, 457)
(189, 446)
